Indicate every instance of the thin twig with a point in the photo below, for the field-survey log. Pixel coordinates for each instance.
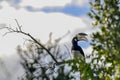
(6, 33)
(19, 30)
(18, 25)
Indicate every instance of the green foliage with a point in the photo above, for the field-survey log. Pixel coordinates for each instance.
(106, 42)
(105, 64)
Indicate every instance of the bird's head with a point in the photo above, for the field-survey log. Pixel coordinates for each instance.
(81, 37)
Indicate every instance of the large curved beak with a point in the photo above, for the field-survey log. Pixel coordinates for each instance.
(82, 37)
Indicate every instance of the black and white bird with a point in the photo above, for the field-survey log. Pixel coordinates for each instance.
(76, 49)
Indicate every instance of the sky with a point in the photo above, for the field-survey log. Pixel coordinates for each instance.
(39, 18)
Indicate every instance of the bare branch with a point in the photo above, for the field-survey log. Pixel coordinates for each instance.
(18, 25)
(8, 28)
(19, 30)
(6, 33)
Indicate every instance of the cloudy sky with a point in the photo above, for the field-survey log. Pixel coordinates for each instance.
(39, 18)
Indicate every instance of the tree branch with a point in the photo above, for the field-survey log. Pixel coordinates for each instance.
(19, 30)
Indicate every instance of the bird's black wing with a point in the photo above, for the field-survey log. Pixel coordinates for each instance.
(81, 51)
(78, 48)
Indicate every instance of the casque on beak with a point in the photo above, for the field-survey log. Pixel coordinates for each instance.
(82, 37)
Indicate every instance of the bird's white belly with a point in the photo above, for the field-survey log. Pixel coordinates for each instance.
(76, 54)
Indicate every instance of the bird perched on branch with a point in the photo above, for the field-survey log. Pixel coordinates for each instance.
(76, 49)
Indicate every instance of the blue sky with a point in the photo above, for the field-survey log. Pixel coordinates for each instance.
(69, 9)
(72, 10)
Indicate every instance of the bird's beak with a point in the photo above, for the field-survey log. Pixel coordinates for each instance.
(82, 38)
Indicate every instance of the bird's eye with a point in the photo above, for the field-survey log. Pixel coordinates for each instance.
(75, 39)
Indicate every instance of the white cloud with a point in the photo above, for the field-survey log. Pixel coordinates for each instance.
(80, 2)
(52, 3)
(45, 3)
(39, 24)
(42, 23)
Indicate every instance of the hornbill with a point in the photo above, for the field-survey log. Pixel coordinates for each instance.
(76, 49)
